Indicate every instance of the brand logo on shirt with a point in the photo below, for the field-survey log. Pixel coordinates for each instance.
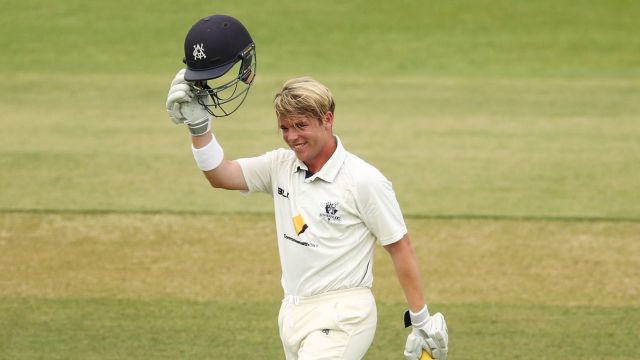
(282, 192)
(330, 211)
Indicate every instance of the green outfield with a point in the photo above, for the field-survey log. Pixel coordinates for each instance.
(510, 130)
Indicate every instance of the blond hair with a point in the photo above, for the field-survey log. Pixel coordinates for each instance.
(304, 96)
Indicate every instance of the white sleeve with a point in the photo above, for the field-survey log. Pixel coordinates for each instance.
(380, 210)
(257, 172)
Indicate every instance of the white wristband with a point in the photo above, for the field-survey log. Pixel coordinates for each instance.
(418, 319)
(210, 156)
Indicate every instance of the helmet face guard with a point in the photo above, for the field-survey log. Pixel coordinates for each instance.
(223, 97)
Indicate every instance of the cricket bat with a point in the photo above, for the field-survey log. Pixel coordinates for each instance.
(425, 355)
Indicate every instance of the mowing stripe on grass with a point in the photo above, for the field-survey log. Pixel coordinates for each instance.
(492, 217)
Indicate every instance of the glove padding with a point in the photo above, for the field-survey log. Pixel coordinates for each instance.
(431, 335)
(183, 107)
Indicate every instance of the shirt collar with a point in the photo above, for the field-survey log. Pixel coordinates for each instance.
(330, 169)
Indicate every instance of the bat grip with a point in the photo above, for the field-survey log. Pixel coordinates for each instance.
(425, 355)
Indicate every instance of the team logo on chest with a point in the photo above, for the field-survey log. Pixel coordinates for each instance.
(331, 212)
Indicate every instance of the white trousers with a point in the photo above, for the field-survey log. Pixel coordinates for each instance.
(330, 326)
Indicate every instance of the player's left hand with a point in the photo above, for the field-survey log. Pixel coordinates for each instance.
(430, 334)
(183, 106)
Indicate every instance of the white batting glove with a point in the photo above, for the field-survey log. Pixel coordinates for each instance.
(429, 333)
(183, 107)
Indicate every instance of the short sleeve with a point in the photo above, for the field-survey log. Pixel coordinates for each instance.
(380, 210)
(257, 172)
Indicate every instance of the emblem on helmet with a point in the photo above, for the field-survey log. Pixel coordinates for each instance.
(198, 51)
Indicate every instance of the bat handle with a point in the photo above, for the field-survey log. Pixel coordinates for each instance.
(425, 355)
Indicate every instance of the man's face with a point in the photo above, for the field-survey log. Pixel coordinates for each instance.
(307, 137)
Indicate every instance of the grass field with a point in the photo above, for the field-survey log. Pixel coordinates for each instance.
(509, 129)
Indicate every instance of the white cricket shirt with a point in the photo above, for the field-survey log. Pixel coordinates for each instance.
(327, 223)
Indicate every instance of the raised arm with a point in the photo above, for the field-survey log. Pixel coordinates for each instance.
(186, 107)
(228, 174)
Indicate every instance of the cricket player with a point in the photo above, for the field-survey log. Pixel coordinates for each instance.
(331, 207)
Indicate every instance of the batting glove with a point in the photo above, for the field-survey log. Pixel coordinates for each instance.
(429, 333)
(183, 107)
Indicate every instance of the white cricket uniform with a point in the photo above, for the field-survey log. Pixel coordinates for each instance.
(327, 223)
